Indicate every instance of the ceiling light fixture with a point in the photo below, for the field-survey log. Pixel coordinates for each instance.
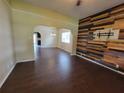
(78, 3)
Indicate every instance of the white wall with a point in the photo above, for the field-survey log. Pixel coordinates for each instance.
(6, 49)
(47, 38)
(65, 46)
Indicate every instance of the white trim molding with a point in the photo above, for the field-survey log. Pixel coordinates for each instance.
(7, 76)
(119, 72)
(73, 54)
(28, 60)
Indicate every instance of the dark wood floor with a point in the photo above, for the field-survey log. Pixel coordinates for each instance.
(55, 71)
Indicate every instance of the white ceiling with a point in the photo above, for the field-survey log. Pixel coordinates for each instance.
(68, 7)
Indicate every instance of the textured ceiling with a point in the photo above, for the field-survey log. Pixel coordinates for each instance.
(68, 7)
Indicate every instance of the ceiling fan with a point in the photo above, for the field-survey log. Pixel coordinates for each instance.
(78, 3)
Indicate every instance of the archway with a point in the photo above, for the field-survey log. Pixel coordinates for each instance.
(37, 38)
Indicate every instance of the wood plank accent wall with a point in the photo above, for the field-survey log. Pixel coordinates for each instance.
(109, 52)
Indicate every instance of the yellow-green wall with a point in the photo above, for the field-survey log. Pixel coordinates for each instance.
(26, 17)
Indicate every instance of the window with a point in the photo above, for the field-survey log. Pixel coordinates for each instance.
(66, 37)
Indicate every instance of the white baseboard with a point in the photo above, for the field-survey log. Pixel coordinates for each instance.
(22, 61)
(7, 76)
(73, 54)
(44, 47)
(122, 73)
(12, 70)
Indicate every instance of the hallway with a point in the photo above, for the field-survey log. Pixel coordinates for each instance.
(55, 71)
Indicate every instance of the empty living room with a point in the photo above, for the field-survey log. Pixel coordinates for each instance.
(61, 46)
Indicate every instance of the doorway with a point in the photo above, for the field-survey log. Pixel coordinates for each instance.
(37, 44)
(47, 36)
(37, 39)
